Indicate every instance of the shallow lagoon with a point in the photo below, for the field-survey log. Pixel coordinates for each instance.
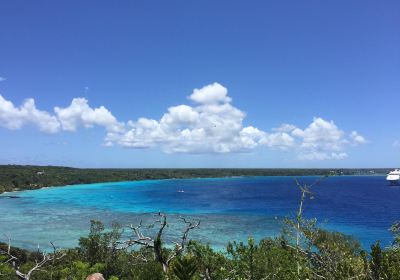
(229, 208)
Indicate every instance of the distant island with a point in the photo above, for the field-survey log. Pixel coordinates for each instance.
(29, 177)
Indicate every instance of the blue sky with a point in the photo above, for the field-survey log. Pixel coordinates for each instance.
(328, 71)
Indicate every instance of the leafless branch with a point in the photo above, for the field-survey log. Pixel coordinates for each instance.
(155, 243)
(45, 258)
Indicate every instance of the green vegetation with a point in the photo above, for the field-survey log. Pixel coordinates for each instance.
(325, 255)
(18, 177)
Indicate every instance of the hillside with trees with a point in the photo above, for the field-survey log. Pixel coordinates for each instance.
(23, 177)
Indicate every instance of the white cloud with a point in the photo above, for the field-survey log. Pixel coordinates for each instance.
(396, 143)
(284, 128)
(320, 140)
(12, 117)
(280, 140)
(320, 135)
(323, 140)
(210, 94)
(79, 113)
(213, 125)
(357, 139)
(2, 79)
(210, 125)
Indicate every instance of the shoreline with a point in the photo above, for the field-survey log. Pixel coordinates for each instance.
(29, 177)
(188, 178)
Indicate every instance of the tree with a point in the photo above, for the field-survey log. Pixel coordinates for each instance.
(395, 229)
(211, 264)
(185, 268)
(41, 259)
(161, 254)
(101, 246)
(377, 262)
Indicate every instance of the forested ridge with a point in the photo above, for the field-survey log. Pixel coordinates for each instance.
(21, 177)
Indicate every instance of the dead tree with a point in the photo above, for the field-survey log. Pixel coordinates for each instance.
(155, 244)
(300, 223)
(326, 259)
(39, 263)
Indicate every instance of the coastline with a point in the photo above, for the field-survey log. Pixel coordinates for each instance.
(4, 194)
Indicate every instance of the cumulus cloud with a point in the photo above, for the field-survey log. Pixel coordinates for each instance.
(321, 140)
(210, 94)
(12, 117)
(214, 125)
(280, 140)
(357, 139)
(210, 124)
(284, 128)
(79, 113)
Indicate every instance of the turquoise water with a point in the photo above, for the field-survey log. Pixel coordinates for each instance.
(229, 208)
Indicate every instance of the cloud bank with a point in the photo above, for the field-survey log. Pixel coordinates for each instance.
(210, 124)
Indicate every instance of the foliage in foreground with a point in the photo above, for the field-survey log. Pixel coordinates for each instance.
(323, 255)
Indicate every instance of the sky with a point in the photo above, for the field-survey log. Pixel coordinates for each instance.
(200, 83)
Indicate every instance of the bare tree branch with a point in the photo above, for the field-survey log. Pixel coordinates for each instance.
(156, 244)
(45, 258)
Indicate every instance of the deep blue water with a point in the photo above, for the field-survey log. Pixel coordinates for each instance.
(229, 208)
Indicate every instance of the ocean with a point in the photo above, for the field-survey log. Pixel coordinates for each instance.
(228, 208)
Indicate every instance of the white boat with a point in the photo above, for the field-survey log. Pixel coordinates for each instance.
(394, 177)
